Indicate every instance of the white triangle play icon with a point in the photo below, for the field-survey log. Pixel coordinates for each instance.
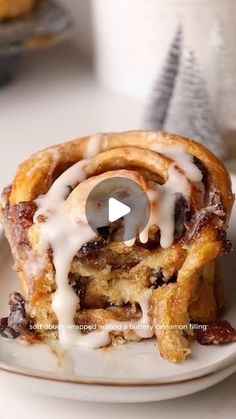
(117, 209)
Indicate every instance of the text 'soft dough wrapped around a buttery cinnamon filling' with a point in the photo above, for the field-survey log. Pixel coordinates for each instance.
(155, 285)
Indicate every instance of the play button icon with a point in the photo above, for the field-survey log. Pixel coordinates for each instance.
(120, 204)
(116, 209)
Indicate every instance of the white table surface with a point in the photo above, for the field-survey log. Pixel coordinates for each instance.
(55, 98)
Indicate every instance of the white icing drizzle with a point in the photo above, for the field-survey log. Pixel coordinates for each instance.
(66, 233)
(184, 160)
(163, 200)
(66, 237)
(94, 146)
(176, 183)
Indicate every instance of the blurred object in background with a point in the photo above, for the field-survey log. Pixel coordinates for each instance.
(132, 38)
(43, 24)
(179, 100)
(81, 12)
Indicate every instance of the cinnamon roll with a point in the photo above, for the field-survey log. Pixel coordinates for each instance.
(10, 9)
(88, 289)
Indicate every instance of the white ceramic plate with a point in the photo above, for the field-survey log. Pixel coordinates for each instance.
(129, 373)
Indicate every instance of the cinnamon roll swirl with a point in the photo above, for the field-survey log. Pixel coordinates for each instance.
(89, 289)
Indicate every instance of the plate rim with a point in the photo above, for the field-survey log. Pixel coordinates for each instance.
(30, 373)
(207, 372)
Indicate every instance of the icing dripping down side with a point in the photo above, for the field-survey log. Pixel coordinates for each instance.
(163, 198)
(65, 236)
(163, 201)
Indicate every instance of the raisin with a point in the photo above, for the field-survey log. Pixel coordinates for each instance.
(23, 213)
(9, 333)
(3, 324)
(104, 232)
(200, 165)
(20, 218)
(92, 246)
(216, 332)
(157, 278)
(78, 283)
(172, 279)
(182, 215)
(17, 321)
(16, 301)
(98, 243)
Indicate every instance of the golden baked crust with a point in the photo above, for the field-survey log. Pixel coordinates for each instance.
(10, 9)
(181, 280)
